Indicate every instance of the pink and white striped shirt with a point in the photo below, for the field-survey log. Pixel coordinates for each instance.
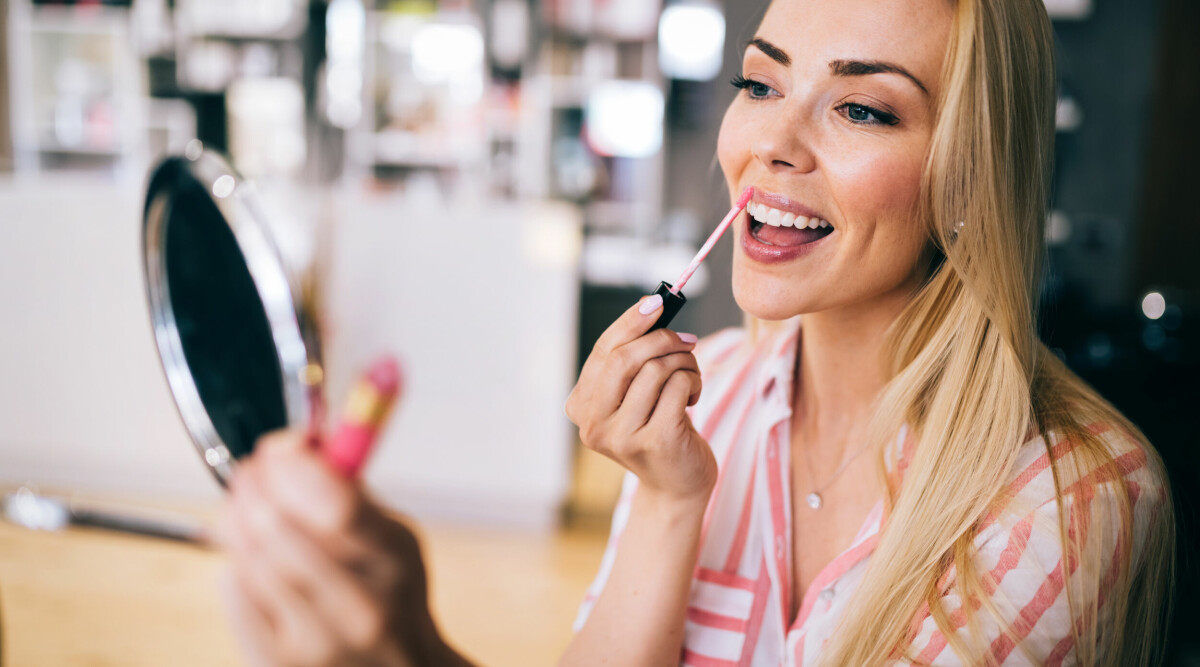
(741, 589)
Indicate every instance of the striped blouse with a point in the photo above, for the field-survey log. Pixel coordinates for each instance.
(741, 589)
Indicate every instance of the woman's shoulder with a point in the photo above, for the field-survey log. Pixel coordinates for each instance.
(1083, 515)
(1099, 475)
(1086, 459)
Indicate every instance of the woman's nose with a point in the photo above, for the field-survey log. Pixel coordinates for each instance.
(782, 144)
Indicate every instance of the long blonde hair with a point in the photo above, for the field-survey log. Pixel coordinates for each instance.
(974, 383)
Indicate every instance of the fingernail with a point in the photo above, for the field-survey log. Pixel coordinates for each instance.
(650, 305)
(688, 338)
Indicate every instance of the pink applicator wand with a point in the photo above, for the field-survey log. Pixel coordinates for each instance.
(672, 295)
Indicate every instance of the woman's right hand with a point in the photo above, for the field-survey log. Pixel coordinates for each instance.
(630, 405)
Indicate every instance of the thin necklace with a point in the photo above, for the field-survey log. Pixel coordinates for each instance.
(814, 498)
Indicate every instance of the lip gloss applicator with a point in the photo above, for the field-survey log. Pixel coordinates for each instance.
(672, 295)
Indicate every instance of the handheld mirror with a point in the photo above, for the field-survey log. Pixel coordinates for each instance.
(235, 344)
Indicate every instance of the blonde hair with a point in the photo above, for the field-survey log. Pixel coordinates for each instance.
(974, 383)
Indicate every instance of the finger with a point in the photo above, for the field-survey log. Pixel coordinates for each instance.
(283, 440)
(628, 327)
(315, 498)
(676, 395)
(626, 362)
(341, 600)
(644, 391)
(298, 629)
(250, 624)
(631, 324)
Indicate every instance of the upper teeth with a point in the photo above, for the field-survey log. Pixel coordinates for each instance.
(778, 218)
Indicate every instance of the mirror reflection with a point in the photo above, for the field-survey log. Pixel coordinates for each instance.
(212, 301)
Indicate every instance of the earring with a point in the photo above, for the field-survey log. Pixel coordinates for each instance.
(957, 228)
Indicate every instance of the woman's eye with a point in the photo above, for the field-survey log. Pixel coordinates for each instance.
(755, 89)
(864, 115)
(859, 113)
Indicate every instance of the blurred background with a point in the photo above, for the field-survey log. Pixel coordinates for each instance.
(480, 187)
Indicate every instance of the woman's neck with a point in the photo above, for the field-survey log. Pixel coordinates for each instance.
(840, 370)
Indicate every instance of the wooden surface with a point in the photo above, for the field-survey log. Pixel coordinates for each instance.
(93, 598)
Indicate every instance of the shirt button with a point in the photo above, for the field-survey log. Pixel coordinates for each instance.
(827, 594)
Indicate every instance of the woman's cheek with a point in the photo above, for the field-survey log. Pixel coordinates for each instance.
(884, 194)
(895, 178)
(875, 180)
(879, 191)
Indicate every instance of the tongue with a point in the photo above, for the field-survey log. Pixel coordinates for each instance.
(789, 235)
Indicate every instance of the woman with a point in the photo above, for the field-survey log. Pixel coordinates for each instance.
(908, 477)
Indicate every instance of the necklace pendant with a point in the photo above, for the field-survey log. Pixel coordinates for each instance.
(814, 500)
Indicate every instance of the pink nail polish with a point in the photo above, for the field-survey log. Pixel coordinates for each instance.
(650, 305)
(688, 338)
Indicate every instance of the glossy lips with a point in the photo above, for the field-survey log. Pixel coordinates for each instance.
(778, 229)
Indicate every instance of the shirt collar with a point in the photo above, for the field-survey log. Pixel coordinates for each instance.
(780, 343)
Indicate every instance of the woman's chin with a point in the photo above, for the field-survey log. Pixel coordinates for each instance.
(762, 302)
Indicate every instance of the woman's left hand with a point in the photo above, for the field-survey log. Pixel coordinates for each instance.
(319, 574)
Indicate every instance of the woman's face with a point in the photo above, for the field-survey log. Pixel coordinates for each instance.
(832, 128)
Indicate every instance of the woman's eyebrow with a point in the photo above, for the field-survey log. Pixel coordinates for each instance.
(863, 67)
(770, 50)
(839, 67)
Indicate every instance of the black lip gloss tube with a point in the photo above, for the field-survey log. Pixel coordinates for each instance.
(672, 303)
